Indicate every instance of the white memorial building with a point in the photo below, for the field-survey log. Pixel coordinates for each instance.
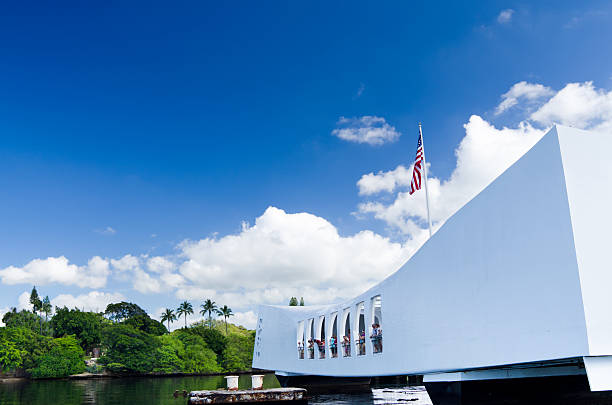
(516, 284)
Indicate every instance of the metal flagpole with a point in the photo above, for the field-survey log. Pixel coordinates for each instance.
(425, 176)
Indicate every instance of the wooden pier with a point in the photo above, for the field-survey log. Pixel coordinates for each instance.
(274, 396)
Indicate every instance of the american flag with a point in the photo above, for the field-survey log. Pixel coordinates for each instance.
(418, 167)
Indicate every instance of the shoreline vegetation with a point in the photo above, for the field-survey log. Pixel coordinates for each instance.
(122, 341)
(91, 376)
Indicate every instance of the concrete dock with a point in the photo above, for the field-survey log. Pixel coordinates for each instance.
(275, 396)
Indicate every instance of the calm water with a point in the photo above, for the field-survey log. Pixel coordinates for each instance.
(158, 391)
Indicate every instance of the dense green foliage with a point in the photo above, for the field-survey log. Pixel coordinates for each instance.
(130, 342)
(145, 324)
(123, 310)
(26, 319)
(238, 353)
(63, 359)
(85, 326)
(10, 355)
(186, 352)
(129, 347)
(213, 338)
(30, 344)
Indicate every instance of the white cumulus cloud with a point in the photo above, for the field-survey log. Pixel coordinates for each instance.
(367, 129)
(159, 264)
(283, 254)
(127, 262)
(58, 270)
(93, 301)
(247, 319)
(485, 152)
(384, 181)
(522, 91)
(579, 105)
(145, 283)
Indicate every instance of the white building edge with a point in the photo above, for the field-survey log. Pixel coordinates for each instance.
(518, 283)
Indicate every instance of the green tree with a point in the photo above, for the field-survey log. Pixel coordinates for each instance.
(184, 309)
(85, 326)
(31, 345)
(293, 302)
(123, 310)
(146, 324)
(36, 306)
(46, 307)
(64, 358)
(197, 356)
(238, 353)
(23, 319)
(225, 312)
(302, 301)
(168, 316)
(128, 349)
(213, 338)
(35, 300)
(209, 306)
(169, 355)
(10, 355)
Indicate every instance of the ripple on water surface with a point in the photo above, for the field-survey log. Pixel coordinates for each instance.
(158, 391)
(391, 395)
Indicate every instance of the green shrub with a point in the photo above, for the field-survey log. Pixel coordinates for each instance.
(130, 347)
(10, 355)
(30, 344)
(214, 339)
(116, 368)
(64, 358)
(85, 326)
(198, 357)
(238, 354)
(144, 323)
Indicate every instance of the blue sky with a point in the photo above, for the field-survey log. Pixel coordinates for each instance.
(130, 128)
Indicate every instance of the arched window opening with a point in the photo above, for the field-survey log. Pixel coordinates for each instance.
(320, 341)
(310, 338)
(333, 339)
(376, 329)
(360, 327)
(346, 339)
(300, 339)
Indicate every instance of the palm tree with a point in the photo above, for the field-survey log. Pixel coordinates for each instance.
(184, 309)
(168, 316)
(210, 307)
(225, 312)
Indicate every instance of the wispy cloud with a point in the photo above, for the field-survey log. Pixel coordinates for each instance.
(579, 19)
(505, 16)
(367, 129)
(359, 91)
(106, 231)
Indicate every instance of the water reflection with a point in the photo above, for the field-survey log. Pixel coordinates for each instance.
(133, 391)
(388, 395)
(158, 391)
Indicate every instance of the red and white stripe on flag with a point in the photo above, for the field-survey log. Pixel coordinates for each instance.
(417, 172)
